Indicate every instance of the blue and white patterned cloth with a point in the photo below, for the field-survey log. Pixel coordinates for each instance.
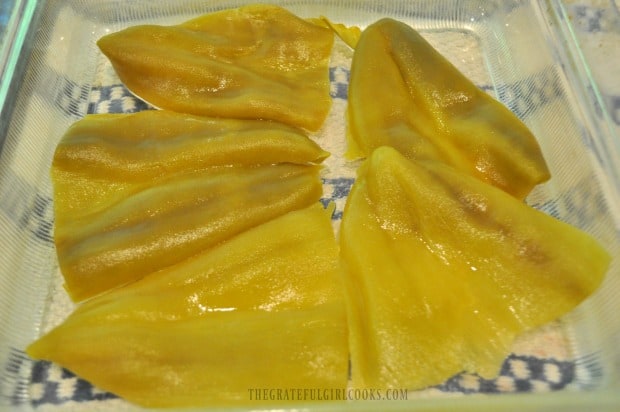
(533, 368)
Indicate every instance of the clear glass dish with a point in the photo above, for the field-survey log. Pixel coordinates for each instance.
(521, 52)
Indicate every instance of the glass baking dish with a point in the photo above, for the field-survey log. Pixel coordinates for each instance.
(521, 52)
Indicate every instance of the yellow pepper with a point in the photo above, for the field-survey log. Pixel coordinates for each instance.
(444, 271)
(348, 34)
(254, 62)
(135, 193)
(103, 158)
(262, 310)
(404, 94)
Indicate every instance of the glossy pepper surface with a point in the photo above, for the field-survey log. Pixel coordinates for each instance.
(257, 61)
(261, 310)
(406, 95)
(444, 271)
(135, 193)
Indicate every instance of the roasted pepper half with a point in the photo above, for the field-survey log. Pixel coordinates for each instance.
(263, 310)
(404, 94)
(136, 193)
(254, 62)
(444, 271)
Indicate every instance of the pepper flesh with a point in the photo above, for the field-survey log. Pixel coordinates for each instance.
(406, 95)
(257, 61)
(262, 310)
(127, 206)
(444, 271)
(103, 158)
(285, 264)
(348, 34)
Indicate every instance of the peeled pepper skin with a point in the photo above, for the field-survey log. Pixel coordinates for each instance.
(406, 95)
(444, 271)
(135, 193)
(261, 310)
(257, 61)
